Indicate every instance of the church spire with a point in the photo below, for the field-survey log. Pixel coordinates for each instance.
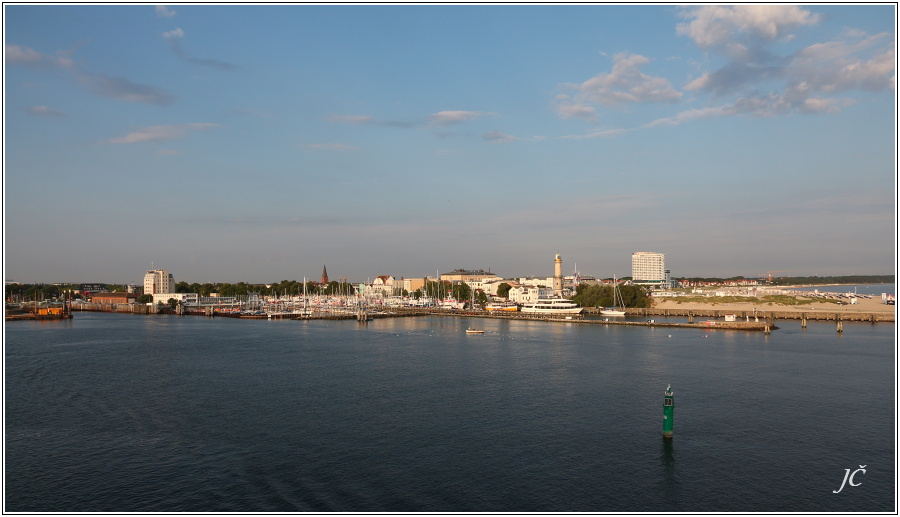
(324, 276)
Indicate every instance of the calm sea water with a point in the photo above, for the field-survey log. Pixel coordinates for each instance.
(873, 289)
(129, 413)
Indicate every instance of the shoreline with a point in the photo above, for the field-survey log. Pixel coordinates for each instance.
(864, 305)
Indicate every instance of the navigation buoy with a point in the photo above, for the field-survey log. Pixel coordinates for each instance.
(668, 413)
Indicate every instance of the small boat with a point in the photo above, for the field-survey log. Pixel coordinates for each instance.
(474, 331)
(502, 307)
(617, 300)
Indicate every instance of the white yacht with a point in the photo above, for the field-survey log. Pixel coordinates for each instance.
(551, 306)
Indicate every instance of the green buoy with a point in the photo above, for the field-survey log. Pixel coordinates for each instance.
(668, 413)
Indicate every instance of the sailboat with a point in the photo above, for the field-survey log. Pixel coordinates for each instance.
(617, 302)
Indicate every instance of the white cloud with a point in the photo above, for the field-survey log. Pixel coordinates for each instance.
(123, 89)
(803, 82)
(446, 118)
(172, 34)
(833, 67)
(717, 26)
(157, 133)
(567, 110)
(173, 38)
(103, 85)
(164, 12)
(625, 84)
(606, 133)
(16, 55)
(499, 138)
(44, 111)
(693, 114)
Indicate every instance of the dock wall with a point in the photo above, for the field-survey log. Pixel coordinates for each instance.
(811, 315)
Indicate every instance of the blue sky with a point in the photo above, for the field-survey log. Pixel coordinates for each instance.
(232, 143)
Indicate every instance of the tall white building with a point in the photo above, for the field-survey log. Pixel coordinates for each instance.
(158, 281)
(557, 276)
(648, 268)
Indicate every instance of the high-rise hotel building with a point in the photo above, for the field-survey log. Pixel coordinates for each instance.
(649, 268)
(158, 281)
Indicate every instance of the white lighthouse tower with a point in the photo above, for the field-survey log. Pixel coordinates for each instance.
(557, 277)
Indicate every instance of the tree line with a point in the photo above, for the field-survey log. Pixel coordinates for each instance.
(593, 295)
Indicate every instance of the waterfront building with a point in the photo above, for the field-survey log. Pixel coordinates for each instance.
(158, 281)
(489, 285)
(649, 269)
(114, 298)
(534, 281)
(386, 284)
(464, 275)
(412, 284)
(88, 289)
(189, 299)
(528, 294)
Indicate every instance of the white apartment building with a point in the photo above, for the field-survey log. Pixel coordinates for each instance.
(158, 281)
(648, 268)
(189, 299)
(529, 294)
(533, 281)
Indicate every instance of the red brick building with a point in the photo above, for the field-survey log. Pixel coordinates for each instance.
(114, 298)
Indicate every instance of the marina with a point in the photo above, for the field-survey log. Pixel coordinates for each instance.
(742, 320)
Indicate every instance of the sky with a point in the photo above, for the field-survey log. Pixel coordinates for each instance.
(259, 143)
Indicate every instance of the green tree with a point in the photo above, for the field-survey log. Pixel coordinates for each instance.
(503, 290)
(145, 298)
(461, 292)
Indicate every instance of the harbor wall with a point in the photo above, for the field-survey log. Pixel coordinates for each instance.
(795, 314)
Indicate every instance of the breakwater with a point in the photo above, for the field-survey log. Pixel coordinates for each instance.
(769, 314)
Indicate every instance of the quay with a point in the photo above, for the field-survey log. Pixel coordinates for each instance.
(412, 312)
(758, 320)
(795, 314)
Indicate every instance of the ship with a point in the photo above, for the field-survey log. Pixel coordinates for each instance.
(551, 306)
(502, 306)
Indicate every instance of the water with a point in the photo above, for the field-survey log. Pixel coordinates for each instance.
(871, 289)
(128, 413)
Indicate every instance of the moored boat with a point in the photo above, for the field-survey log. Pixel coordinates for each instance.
(551, 306)
(502, 306)
(618, 302)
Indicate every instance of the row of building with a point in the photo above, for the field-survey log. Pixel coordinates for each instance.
(647, 269)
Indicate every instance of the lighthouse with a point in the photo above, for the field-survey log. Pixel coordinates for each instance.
(668, 413)
(557, 277)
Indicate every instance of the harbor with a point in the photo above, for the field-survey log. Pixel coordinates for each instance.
(760, 320)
